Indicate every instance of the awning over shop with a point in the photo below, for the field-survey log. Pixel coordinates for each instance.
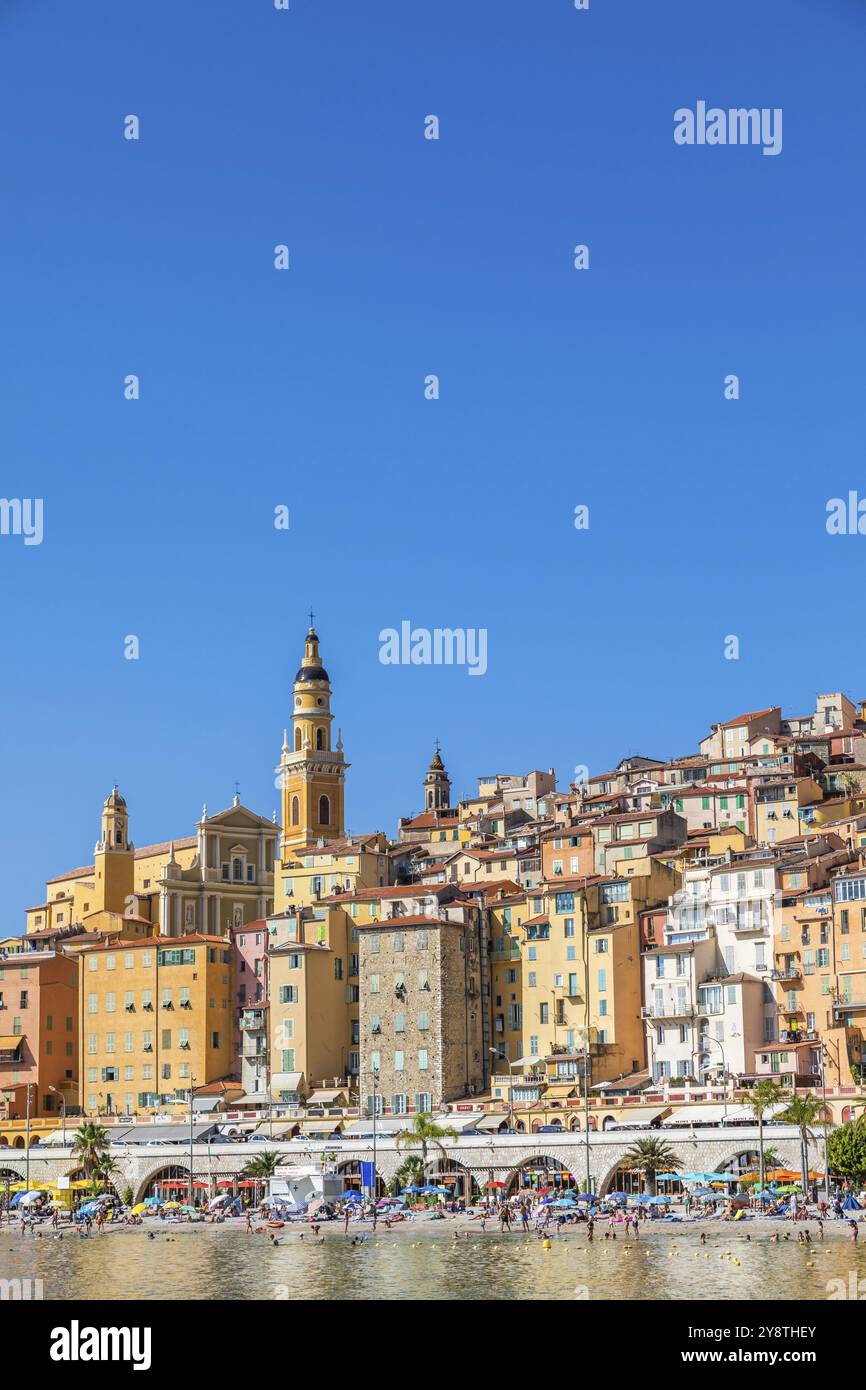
(323, 1125)
(743, 1114)
(164, 1134)
(489, 1124)
(456, 1122)
(699, 1115)
(276, 1129)
(326, 1097)
(240, 1126)
(635, 1117)
(285, 1081)
(385, 1124)
(250, 1102)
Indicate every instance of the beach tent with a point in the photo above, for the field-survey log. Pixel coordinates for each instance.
(851, 1204)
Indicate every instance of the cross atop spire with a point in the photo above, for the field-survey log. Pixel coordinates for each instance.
(312, 619)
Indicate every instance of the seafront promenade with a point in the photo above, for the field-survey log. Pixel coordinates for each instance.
(486, 1158)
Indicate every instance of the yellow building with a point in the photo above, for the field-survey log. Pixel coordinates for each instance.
(212, 882)
(778, 805)
(113, 892)
(313, 1001)
(566, 976)
(155, 1019)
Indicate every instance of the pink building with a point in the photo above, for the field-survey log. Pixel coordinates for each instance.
(250, 1005)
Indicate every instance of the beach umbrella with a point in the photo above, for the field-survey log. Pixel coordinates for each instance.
(412, 1188)
(351, 1195)
(172, 1206)
(496, 1184)
(139, 1208)
(659, 1201)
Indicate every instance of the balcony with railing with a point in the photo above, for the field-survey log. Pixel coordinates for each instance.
(847, 1006)
(669, 1009)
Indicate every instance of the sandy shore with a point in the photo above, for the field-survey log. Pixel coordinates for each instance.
(748, 1229)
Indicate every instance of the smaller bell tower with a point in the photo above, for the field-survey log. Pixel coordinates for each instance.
(437, 786)
(114, 857)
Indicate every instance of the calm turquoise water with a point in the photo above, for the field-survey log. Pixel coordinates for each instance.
(207, 1263)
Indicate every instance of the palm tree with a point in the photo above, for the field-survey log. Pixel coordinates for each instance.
(262, 1167)
(105, 1171)
(764, 1095)
(848, 783)
(409, 1174)
(804, 1112)
(425, 1135)
(90, 1143)
(650, 1157)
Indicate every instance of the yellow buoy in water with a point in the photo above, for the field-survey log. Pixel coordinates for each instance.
(545, 1245)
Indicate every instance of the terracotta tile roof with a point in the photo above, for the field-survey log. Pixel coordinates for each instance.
(430, 818)
(143, 852)
(171, 942)
(398, 923)
(747, 718)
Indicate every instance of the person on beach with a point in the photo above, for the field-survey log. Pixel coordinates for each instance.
(854, 1232)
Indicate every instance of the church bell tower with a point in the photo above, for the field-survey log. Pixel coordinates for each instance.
(114, 857)
(311, 772)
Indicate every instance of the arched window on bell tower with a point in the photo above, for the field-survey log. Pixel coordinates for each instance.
(320, 740)
(296, 811)
(324, 810)
(298, 739)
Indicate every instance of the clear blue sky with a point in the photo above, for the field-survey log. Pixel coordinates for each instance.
(305, 388)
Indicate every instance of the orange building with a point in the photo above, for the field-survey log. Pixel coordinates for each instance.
(38, 1032)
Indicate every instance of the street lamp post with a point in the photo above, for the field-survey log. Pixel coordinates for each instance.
(362, 1076)
(826, 1141)
(509, 1065)
(62, 1099)
(701, 1052)
(191, 1135)
(27, 1140)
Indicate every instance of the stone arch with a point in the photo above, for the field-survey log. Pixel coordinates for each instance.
(9, 1175)
(745, 1160)
(556, 1168)
(170, 1171)
(449, 1172)
(555, 1123)
(350, 1171)
(787, 1149)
